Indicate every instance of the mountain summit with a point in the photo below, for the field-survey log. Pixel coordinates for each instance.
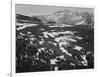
(71, 18)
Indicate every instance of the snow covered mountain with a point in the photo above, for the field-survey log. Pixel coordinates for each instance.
(70, 18)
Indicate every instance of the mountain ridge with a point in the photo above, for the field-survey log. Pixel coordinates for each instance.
(84, 19)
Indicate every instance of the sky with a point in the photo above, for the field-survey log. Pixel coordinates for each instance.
(31, 10)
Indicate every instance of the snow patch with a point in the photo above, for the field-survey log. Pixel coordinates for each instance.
(53, 61)
(77, 48)
(26, 25)
(65, 51)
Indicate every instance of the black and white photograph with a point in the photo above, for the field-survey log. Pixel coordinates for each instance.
(53, 38)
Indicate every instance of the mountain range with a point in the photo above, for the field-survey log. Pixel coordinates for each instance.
(68, 17)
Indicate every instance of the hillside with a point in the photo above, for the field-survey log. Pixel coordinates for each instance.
(26, 19)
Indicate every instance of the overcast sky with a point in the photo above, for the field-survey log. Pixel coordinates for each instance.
(30, 10)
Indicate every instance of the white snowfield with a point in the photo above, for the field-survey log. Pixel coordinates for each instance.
(65, 51)
(53, 34)
(46, 34)
(25, 25)
(65, 39)
(61, 25)
(42, 29)
(53, 61)
(77, 48)
(80, 38)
